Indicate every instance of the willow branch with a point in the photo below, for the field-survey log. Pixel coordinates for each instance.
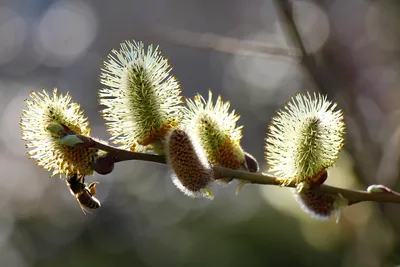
(222, 43)
(354, 196)
(307, 60)
(120, 154)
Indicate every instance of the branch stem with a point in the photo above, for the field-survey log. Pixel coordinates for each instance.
(121, 154)
(354, 196)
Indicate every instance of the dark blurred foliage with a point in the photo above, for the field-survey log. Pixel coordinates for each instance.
(144, 220)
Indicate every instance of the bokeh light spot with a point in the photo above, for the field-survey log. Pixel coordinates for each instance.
(12, 34)
(65, 32)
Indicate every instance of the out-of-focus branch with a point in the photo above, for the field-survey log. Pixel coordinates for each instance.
(307, 60)
(222, 43)
(354, 196)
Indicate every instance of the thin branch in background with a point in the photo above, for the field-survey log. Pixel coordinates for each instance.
(354, 196)
(307, 60)
(222, 43)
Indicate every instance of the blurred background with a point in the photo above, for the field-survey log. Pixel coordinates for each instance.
(244, 52)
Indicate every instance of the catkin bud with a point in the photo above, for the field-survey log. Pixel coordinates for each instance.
(50, 125)
(141, 96)
(320, 205)
(191, 171)
(304, 139)
(215, 128)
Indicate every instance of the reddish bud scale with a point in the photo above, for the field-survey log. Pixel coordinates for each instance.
(251, 163)
(318, 179)
(103, 165)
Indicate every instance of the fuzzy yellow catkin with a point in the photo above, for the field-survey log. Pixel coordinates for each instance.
(215, 126)
(141, 97)
(46, 122)
(216, 130)
(191, 171)
(304, 139)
